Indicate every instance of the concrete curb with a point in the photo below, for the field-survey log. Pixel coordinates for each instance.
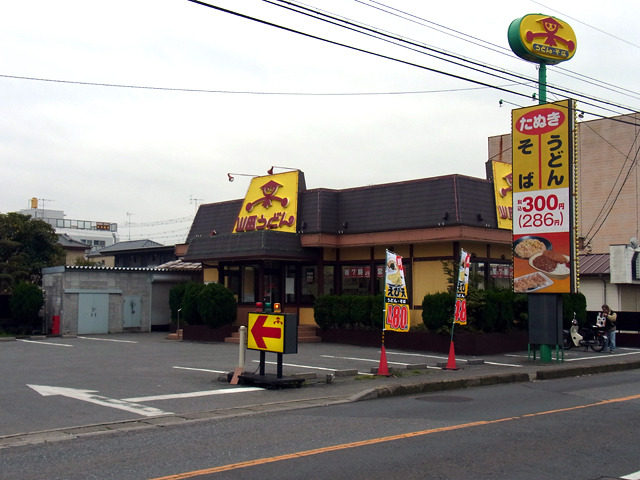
(591, 370)
(385, 391)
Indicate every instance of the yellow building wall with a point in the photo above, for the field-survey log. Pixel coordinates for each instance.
(329, 254)
(305, 316)
(357, 253)
(428, 277)
(210, 274)
(433, 250)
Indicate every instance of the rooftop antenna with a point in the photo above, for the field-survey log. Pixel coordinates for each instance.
(42, 202)
(195, 200)
(129, 222)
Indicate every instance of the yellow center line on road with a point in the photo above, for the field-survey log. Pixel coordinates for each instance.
(373, 441)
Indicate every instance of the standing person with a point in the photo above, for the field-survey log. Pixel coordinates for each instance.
(610, 326)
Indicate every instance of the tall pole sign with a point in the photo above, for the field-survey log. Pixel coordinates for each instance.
(544, 187)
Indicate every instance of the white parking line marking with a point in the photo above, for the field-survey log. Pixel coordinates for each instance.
(172, 396)
(44, 343)
(299, 366)
(108, 340)
(422, 355)
(364, 360)
(445, 358)
(503, 364)
(200, 369)
(309, 366)
(632, 476)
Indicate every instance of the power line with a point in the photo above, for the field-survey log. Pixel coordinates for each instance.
(160, 222)
(587, 25)
(393, 38)
(498, 48)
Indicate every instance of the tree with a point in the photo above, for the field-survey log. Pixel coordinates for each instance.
(26, 247)
(217, 305)
(25, 303)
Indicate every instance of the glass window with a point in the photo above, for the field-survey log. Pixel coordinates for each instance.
(379, 285)
(356, 279)
(499, 275)
(290, 284)
(310, 283)
(329, 280)
(232, 281)
(249, 284)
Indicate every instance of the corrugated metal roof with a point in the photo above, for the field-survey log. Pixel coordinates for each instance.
(594, 264)
(111, 269)
(180, 265)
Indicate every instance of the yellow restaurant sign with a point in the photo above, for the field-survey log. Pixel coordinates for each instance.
(503, 188)
(542, 39)
(271, 203)
(543, 198)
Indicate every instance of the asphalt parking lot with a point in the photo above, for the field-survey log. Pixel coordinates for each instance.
(54, 382)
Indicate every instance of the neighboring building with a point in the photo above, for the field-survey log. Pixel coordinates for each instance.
(92, 233)
(94, 300)
(291, 244)
(136, 254)
(74, 249)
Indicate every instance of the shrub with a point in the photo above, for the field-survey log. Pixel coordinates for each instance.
(342, 310)
(377, 311)
(216, 305)
(25, 304)
(190, 314)
(322, 311)
(176, 295)
(360, 311)
(349, 311)
(573, 302)
(494, 311)
(438, 310)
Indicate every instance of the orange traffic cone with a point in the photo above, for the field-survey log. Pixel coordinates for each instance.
(383, 368)
(451, 363)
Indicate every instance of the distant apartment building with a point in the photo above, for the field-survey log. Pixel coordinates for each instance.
(95, 234)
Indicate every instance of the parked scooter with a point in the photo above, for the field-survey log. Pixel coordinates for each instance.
(594, 336)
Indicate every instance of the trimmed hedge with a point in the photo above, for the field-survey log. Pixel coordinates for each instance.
(492, 311)
(349, 311)
(212, 304)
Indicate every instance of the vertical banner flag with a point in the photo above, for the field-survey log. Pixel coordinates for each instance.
(396, 300)
(544, 228)
(461, 290)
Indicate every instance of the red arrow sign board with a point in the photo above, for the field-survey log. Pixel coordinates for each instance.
(266, 332)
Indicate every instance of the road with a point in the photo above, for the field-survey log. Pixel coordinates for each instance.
(575, 428)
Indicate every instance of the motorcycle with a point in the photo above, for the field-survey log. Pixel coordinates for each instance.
(594, 337)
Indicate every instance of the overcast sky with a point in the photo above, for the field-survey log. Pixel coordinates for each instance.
(263, 96)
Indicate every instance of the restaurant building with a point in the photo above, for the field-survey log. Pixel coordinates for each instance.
(286, 244)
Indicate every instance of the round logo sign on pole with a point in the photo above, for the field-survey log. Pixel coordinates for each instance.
(542, 39)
